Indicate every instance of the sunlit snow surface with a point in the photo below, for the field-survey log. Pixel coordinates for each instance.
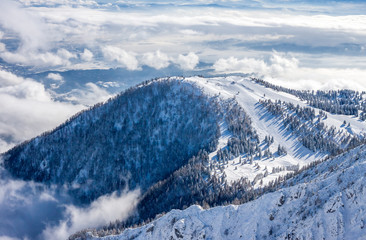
(326, 202)
(248, 93)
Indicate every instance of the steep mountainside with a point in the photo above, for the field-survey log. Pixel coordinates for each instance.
(195, 182)
(266, 136)
(284, 122)
(136, 138)
(327, 201)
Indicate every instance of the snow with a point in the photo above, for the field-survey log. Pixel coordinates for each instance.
(248, 93)
(328, 202)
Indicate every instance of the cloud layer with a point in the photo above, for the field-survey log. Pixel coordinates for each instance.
(284, 69)
(27, 108)
(102, 211)
(30, 210)
(130, 35)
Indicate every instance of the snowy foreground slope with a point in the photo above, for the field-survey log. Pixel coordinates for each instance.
(327, 201)
(248, 93)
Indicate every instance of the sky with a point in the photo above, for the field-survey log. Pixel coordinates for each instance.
(306, 42)
(59, 57)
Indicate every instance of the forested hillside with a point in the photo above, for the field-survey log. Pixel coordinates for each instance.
(253, 158)
(310, 128)
(343, 101)
(134, 140)
(186, 141)
(326, 201)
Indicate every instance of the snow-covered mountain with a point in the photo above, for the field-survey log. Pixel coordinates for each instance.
(327, 201)
(184, 141)
(286, 136)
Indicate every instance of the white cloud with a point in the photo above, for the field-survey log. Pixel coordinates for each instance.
(55, 76)
(88, 96)
(9, 79)
(37, 59)
(56, 2)
(28, 90)
(30, 28)
(7, 238)
(105, 209)
(23, 207)
(157, 60)
(63, 53)
(2, 47)
(187, 62)
(36, 211)
(87, 55)
(28, 109)
(286, 70)
(209, 32)
(35, 45)
(23, 118)
(5, 145)
(247, 65)
(126, 59)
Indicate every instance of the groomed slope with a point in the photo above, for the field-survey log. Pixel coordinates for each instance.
(248, 94)
(327, 201)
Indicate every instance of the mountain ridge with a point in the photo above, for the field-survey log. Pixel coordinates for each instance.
(326, 202)
(130, 132)
(184, 141)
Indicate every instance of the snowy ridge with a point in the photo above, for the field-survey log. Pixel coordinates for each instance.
(328, 202)
(248, 94)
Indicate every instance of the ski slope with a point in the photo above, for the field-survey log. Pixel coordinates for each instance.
(326, 202)
(248, 93)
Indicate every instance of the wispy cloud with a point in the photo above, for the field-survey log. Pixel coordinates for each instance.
(104, 210)
(28, 25)
(88, 95)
